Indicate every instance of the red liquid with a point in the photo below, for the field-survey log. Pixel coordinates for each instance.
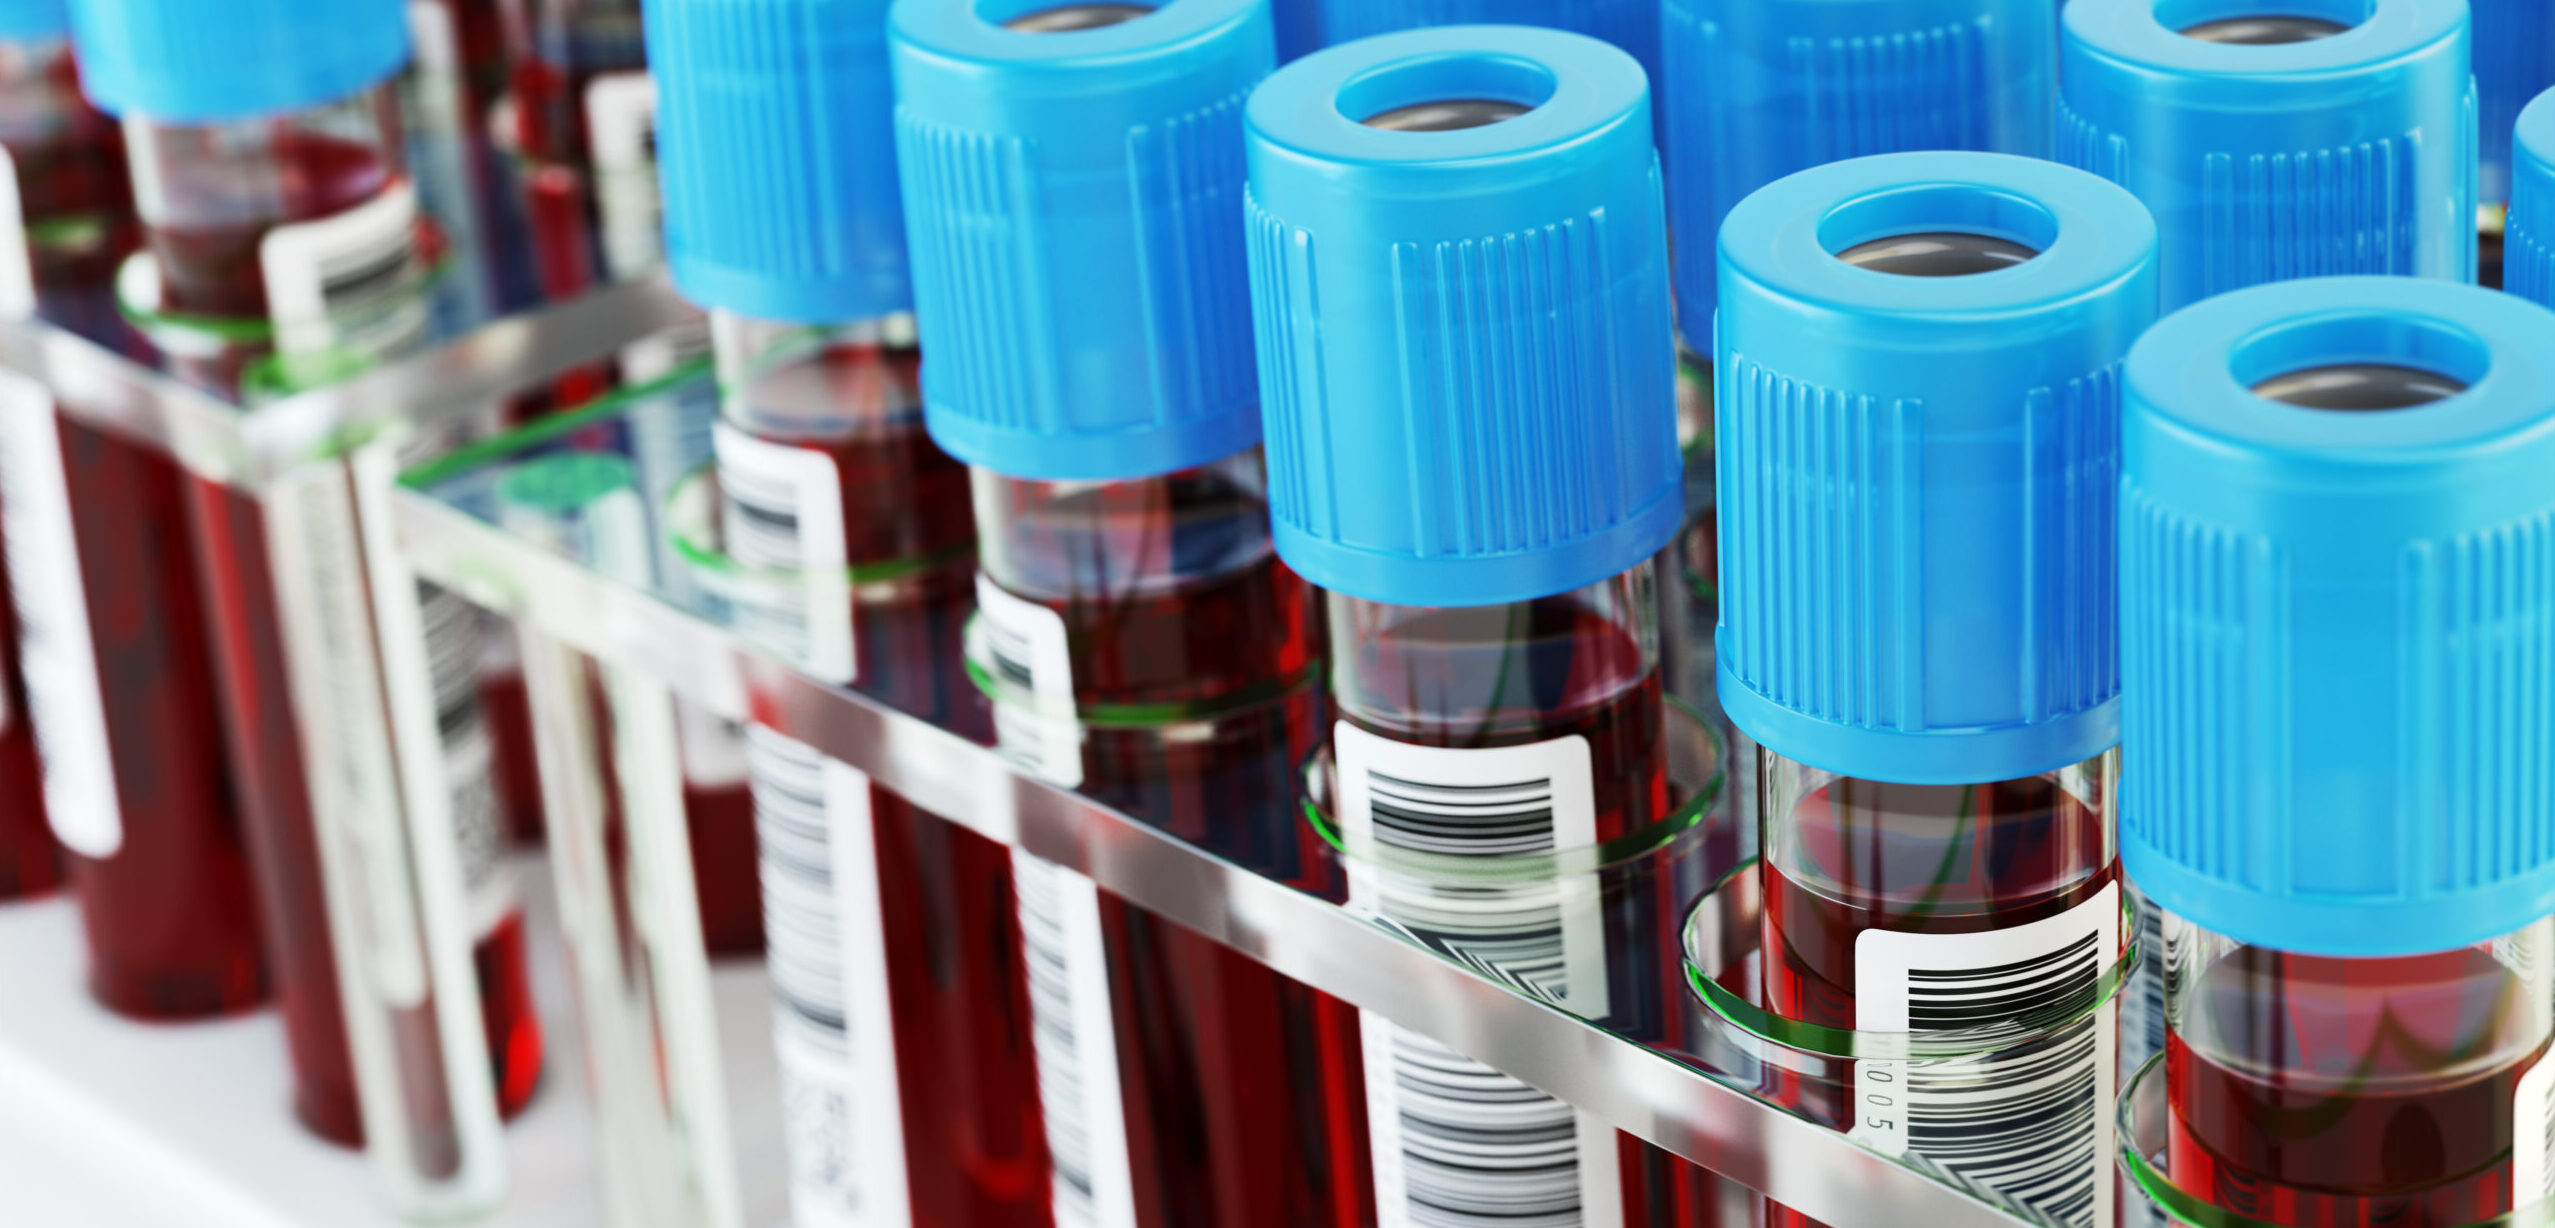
(726, 872)
(30, 864)
(170, 915)
(568, 43)
(280, 825)
(77, 204)
(1243, 1090)
(2020, 836)
(1583, 675)
(215, 270)
(975, 1142)
(508, 707)
(2348, 1150)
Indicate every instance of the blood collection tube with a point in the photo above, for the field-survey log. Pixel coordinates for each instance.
(2529, 239)
(2334, 664)
(279, 200)
(2514, 62)
(2276, 141)
(1472, 445)
(1091, 360)
(1918, 633)
(889, 929)
(574, 61)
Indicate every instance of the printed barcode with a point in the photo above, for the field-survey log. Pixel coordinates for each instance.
(2032, 1121)
(57, 656)
(453, 628)
(1023, 644)
(2142, 1013)
(1456, 1143)
(1475, 1148)
(828, 965)
(1076, 1045)
(334, 282)
(781, 511)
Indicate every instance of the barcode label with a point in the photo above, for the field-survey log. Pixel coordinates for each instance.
(713, 746)
(2036, 1125)
(17, 261)
(1024, 645)
(828, 956)
(1457, 1144)
(1460, 1145)
(621, 120)
(56, 655)
(781, 509)
(453, 628)
(347, 281)
(2533, 1136)
(1076, 1041)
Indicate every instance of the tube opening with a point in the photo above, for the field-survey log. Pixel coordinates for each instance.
(1065, 18)
(2264, 31)
(1452, 115)
(2263, 23)
(1937, 254)
(2358, 387)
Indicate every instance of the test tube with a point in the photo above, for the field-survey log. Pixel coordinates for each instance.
(278, 200)
(1073, 184)
(1919, 633)
(903, 1022)
(583, 107)
(1472, 445)
(2529, 238)
(2276, 141)
(2514, 61)
(2335, 659)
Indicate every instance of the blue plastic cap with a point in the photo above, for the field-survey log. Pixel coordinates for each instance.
(1916, 472)
(24, 21)
(2514, 59)
(206, 61)
(2338, 628)
(1465, 355)
(1754, 90)
(1631, 25)
(2528, 237)
(2353, 153)
(1075, 205)
(777, 157)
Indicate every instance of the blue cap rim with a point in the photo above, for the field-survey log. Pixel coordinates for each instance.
(1936, 757)
(971, 32)
(1586, 83)
(1478, 581)
(2536, 131)
(2190, 368)
(2350, 927)
(2091, 233)
(2130, 31)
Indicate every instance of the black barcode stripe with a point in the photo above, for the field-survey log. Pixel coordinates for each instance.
(362, 274)
(1480, 1148)
(802, 934)
(1057, 1040)
(762, 529)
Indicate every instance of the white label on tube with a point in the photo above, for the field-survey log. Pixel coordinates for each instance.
(713, 746)
(1457, 1143)
(2533, 1136)
(452, 632)
(55, 651)
(828, 956)
(1076, 1039)
(347, 281)
(17, 260)
(781, 511)
(2059, 1091)
(621, 120)
(1024, 645)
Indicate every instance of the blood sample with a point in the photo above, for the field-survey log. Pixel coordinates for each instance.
(2530, 236)
(1483, 496)
(1138, 634)
(851, 550)
(2351, 868)
(1935, 749)
(2273, 144)
(2514, 61)
(284, 202)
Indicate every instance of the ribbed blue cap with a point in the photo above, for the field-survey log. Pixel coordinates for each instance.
(2514, 59)
(1753, 91)
(1632, 25)
(777, 157)
(2348, 154)
(204, 61)
(2338, 628)
(2528, 240)
(29, 20)
(1465, 355)
(1916, 471)
(1075, 201)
